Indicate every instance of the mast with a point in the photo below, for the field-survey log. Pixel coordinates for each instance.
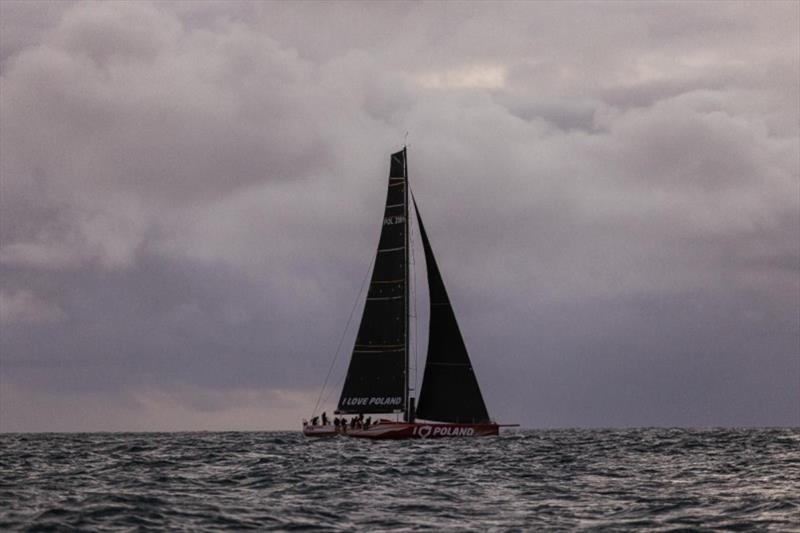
(408, 415)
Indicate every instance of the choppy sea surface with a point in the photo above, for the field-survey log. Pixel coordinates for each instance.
(652, 479)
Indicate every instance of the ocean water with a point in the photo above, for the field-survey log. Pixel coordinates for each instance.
(652, 479)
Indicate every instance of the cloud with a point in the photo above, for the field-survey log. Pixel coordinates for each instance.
(37, 255)
(106, 238)
(469, 77)
(191, 195)
(25, 307)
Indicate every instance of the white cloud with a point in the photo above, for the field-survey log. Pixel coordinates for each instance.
(468, 77)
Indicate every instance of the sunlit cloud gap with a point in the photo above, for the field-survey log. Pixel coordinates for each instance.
(467, 77)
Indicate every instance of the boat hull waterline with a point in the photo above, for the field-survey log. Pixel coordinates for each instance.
(406, 430)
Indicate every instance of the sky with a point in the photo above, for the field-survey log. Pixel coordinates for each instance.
(192, 192)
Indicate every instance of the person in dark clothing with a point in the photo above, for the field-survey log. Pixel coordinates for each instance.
(324, 418)
(368, 423)
(315, 421)
(336, 422)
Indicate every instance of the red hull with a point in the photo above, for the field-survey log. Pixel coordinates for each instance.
(422, 430)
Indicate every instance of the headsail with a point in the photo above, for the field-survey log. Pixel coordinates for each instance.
(450, 391)
(376, 378)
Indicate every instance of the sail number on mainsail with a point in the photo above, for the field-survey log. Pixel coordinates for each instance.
(389, 221)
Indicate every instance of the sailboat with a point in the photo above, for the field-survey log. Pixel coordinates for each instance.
(378, 378)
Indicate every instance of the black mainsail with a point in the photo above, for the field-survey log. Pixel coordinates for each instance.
(450, 391)
(377, 379)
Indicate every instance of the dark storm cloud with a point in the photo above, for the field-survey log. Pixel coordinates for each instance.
(190, 194)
